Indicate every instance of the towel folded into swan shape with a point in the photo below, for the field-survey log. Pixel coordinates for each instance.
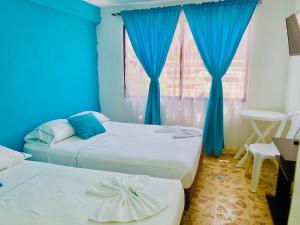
(125, 200)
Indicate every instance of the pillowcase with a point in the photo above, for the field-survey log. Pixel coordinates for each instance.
(86, 126)
(9, 157)
(51, 132)
(100, 116)
(26, 155)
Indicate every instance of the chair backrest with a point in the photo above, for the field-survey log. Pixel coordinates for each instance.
(294, 128)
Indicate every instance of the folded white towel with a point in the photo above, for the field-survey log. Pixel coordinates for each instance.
(168, 129)
(180, 132)
(186, 133)
(125, 201)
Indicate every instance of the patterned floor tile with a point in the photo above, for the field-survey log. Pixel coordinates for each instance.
(223, 195)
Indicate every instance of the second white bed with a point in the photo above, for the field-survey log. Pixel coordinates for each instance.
(127, 148)
(36, 193)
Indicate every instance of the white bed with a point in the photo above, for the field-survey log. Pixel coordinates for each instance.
(127, 148)
(45, 194)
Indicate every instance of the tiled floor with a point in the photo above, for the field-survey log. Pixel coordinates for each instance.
(223, 195)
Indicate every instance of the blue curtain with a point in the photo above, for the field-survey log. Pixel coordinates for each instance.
(151, 32)
(217, 28)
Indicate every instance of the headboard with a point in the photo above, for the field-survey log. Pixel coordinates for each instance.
(48, 64)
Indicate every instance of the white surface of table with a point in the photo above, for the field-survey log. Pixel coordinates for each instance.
(260, 115)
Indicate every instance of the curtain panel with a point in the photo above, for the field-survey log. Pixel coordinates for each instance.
(218, 28)
(151, 32)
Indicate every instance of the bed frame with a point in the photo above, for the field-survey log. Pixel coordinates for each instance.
(188, 193)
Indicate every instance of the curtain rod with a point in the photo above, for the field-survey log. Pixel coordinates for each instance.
(119, 14)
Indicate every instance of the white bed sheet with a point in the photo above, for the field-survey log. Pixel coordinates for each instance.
(127, 148)
(37, 193)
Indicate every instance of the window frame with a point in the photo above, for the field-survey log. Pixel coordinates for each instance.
(189, 98)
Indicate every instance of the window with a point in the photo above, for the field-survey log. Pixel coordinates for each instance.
(184, 74)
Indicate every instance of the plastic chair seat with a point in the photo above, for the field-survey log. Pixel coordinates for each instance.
(266, 150)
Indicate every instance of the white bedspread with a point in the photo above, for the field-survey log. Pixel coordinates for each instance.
(44, 194)
(127, 148)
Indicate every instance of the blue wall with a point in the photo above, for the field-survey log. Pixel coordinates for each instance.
(48, 63)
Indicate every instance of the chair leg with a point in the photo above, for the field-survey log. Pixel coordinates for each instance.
(275, 162)
(243, 149)
(239, 153)
(257, 165)
(248, 164)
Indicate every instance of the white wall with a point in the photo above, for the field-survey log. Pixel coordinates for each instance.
(293, 90)
(268, 70)
(268, 67)
(293, 103)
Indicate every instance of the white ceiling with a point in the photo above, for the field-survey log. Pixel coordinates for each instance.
(107, 3)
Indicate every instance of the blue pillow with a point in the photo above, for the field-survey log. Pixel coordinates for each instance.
(86, 126)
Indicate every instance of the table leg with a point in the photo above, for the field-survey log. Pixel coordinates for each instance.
(242, 149)
(244, 159)
(269, 129)
(257, 131)
(262, 136)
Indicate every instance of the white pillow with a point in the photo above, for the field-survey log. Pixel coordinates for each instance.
(51, 132)
(100, 116)
(26, 155)
(9, 157)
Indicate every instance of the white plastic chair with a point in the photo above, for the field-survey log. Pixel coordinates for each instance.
(262, 152)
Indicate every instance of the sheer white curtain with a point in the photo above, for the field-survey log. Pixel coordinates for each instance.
(190, 113)
(185, 84)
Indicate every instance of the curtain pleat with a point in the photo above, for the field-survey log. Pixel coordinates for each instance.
(218, 28)
(151, 32)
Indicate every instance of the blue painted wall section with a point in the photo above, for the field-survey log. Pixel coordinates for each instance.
(48, 63)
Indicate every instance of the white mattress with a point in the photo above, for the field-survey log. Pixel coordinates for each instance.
(127, 148)
(45, 194)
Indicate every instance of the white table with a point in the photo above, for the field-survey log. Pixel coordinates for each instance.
(255, 116)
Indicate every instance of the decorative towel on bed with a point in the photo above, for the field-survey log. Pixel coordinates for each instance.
(180, 132)
(186, 133)
(125, 200)
(167, 129)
